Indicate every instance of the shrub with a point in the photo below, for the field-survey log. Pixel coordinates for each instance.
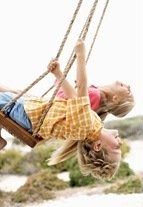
(10, 161)
(128, 127)
(35, 160)
(124, 171)
(40, 186)
(131, 185)
(125, 148)
(77, 179)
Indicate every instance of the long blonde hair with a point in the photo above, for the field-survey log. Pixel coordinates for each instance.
(67, 150)
(119, 110)
(97, 164)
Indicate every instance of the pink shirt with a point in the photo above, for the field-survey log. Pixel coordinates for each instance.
(94, 96)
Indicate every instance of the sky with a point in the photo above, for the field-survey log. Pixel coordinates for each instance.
(31, 32)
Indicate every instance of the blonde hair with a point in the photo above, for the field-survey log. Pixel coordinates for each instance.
(98, 164)
(119, 110)
(67, 150)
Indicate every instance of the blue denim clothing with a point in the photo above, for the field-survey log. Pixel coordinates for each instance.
(16, 112)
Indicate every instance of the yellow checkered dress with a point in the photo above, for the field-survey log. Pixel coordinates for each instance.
(66, 119)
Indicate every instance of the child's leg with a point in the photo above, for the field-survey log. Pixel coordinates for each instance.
(7, 89)
(2, 141)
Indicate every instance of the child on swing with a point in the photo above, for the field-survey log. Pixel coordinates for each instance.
(116, 99)
(97, 149)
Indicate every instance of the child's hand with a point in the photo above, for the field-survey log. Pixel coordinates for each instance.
(80, 47)
(54, 66)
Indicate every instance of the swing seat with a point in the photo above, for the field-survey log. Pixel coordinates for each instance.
(17, 131)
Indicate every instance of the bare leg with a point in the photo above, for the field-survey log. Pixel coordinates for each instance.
(7, 89)
(3, 142)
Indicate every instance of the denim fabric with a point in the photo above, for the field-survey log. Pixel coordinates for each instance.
(16, 112)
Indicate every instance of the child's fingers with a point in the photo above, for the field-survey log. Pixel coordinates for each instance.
(52, 64)
(52, 61)
(79, 41)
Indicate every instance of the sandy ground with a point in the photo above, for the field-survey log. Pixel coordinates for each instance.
(85, 198)
(110, 200)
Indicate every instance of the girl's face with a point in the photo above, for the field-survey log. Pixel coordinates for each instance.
(121, 91)
(109, 139)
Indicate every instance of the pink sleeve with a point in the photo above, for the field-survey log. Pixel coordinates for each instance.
(94, 96)
(60, 93)
(93, 92)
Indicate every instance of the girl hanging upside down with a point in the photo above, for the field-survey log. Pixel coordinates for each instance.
(116, 99)
(72, 119)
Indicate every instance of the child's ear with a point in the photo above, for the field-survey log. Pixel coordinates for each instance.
(97, 145)
(115, 99)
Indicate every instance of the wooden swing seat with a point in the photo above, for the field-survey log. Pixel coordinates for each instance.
(17, 131)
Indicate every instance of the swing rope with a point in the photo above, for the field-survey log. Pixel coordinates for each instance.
(19, 131)
(67, 68)
(57, 56)
(91, 46)
(97, 30)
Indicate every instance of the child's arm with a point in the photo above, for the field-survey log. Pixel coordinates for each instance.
(68, 89)
(81, 75)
